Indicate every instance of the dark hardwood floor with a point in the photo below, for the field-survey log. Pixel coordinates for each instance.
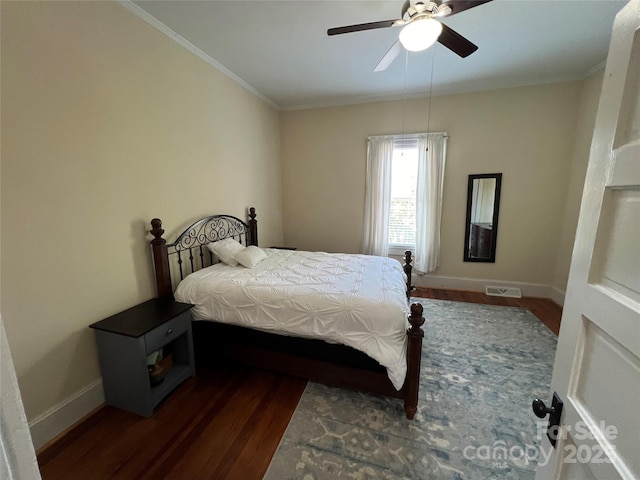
(221, 424)
(544, 309)
(224, 424)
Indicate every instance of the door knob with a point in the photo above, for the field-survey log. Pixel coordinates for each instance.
(540, 409)
(554, 412)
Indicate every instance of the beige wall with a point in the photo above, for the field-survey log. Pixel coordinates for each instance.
(525, 133)
(589, 97)
(107, 123)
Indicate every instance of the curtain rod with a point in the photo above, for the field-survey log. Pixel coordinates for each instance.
(408, 135)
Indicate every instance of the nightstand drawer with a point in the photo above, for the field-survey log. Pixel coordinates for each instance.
(167, 332)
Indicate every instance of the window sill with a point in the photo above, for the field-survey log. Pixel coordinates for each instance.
(400, 249)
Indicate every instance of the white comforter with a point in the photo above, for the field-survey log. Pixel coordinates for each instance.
(356, 300)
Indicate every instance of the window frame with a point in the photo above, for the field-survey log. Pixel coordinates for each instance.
(403, 142)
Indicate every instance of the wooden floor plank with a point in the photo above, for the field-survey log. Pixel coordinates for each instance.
(262, 443)
(224, 424)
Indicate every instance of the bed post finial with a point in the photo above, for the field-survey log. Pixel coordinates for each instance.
(253, 227)
(161, 260)
(415, 335)
(157, 230)
(407, 267)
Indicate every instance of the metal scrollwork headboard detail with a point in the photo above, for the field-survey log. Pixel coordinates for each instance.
(212, 229)
(189, 252)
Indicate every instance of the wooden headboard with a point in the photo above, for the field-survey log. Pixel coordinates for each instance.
(188, 253)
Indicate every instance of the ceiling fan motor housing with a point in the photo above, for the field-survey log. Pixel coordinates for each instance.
(436, 8)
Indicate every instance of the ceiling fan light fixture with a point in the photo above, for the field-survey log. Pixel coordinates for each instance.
(420, 34)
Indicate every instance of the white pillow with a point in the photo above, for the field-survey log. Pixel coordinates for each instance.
(225, 250)
(250, 256)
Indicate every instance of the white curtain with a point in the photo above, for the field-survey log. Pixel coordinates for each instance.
(432, 152)
(431, 162)
(375, 239)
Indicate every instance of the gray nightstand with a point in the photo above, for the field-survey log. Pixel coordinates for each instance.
(124, 341)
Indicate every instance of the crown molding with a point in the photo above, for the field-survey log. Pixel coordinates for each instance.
(154, 22)
(596, 68)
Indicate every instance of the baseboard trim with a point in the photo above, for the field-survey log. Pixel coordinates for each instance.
(557, 295)
(53, 422)
(479, 284)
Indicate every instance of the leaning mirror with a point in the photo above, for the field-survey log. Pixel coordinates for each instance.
(481, 229)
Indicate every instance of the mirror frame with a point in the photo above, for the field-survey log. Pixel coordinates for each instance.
(494, 224)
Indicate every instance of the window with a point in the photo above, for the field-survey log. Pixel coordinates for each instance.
(403, 196)
(404, 181)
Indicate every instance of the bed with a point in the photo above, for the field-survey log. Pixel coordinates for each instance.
(337, 319)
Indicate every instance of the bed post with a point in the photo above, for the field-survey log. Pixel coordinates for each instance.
(407, 267)
(414, 354)
(253, 227)
(161, 260)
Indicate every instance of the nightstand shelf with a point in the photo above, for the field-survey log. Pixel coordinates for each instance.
(127, 338)
(174, 377)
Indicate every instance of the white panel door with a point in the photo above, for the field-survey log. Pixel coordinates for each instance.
(597, 365)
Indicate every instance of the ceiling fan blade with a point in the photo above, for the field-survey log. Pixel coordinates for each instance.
(456, 42)
(389, 57)
(361, 26)
(458, 6)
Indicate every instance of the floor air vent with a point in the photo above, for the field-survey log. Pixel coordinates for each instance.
(504, 292)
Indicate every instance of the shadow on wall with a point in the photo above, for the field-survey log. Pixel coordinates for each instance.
(142, 259)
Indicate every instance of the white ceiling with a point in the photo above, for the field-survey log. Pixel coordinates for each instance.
(281, 48)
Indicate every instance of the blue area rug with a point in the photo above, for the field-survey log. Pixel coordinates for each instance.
(481, 367)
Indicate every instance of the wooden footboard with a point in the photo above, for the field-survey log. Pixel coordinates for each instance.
(315, 360)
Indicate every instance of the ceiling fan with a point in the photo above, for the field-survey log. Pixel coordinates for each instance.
(421, 28)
